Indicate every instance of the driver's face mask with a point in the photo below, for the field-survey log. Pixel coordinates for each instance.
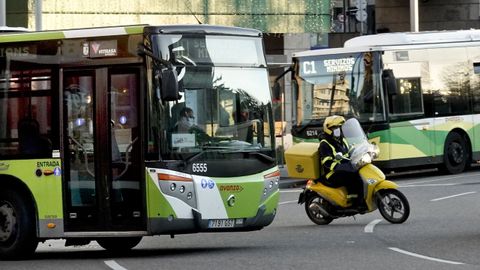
(337, 132)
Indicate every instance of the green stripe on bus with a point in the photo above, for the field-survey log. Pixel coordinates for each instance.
(31, 36)
(138, 29)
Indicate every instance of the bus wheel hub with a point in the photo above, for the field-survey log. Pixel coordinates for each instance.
(7, 222)
(456, 153)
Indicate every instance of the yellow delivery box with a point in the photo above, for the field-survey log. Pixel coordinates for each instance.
(302, 160)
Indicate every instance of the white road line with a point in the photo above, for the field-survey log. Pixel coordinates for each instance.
(291, 191)
(423, 256)
(114, 265)
(444, 179)
(370, 226)
(429, 185)
(287, 202)
(452, 196)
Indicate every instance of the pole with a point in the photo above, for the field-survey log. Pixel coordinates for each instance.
(414, 16)
(345, 17)
(3, 13)
(38, 15)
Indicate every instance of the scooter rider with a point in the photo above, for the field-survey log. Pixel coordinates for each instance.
(338, 172)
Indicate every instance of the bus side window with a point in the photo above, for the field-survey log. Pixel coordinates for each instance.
(475, 87)
(26, 125)
(407, 99)
(30, 141)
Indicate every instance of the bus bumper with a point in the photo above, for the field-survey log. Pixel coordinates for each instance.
(198, 224)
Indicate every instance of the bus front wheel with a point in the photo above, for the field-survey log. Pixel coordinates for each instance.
(119, 244)
(455, 154)
(17, 226)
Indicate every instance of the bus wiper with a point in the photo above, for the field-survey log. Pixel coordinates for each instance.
(262, 156)
(194, 157)
(310, 123)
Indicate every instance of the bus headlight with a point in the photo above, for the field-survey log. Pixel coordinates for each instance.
(270, 183)
(178, 185)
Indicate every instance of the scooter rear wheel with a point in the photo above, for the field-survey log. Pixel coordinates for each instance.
(393, 205)
(312, 206)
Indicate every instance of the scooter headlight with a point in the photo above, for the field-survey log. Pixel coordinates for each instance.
(375, 152)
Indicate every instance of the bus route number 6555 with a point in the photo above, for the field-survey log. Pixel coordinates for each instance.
(199, 167)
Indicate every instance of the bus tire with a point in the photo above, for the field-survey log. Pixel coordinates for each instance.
(119, 244)
(455, 154)
(18, 238)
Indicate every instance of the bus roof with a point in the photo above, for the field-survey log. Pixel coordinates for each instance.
(335, 51)
(395, 41)
(123, 30)
(203, 28)
(8, 29)
(414, 38)
(71, 33)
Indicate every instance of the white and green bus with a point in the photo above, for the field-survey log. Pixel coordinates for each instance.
(90, 141)
(416, 94)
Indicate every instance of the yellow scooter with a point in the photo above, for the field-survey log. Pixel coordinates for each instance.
(324, 204)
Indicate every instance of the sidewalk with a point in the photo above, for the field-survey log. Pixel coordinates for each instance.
(288, 182)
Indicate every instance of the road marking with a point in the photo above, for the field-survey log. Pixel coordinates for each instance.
(114, 265)
(287, 202)
(430, 185)
(370, 226)
(452, 196)
(443, 179)
(291, 191)
(423, 256)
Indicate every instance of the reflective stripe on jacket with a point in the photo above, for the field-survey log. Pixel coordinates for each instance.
(334, 162)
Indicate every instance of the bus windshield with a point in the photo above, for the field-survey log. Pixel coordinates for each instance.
(344, 84)
(225, 99)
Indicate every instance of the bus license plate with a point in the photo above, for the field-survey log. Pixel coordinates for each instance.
(221, 223)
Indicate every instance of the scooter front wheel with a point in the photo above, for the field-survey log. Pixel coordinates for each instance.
(393, 205)
(315, 207)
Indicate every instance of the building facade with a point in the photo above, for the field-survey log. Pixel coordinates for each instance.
(394, 15)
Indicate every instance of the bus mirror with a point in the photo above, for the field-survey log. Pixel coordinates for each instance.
(389, 82)
(276, 91)
(170, 89)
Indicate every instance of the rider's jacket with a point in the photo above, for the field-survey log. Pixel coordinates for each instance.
(328, 148)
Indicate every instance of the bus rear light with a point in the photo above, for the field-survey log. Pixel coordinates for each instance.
(171, 177)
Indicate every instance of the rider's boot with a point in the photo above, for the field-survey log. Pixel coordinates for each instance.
(357, 202)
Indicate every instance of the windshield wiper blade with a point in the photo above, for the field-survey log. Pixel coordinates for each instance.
(263, 156)
(310, 123)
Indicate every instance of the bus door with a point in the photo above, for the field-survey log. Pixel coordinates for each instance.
(101, 142)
